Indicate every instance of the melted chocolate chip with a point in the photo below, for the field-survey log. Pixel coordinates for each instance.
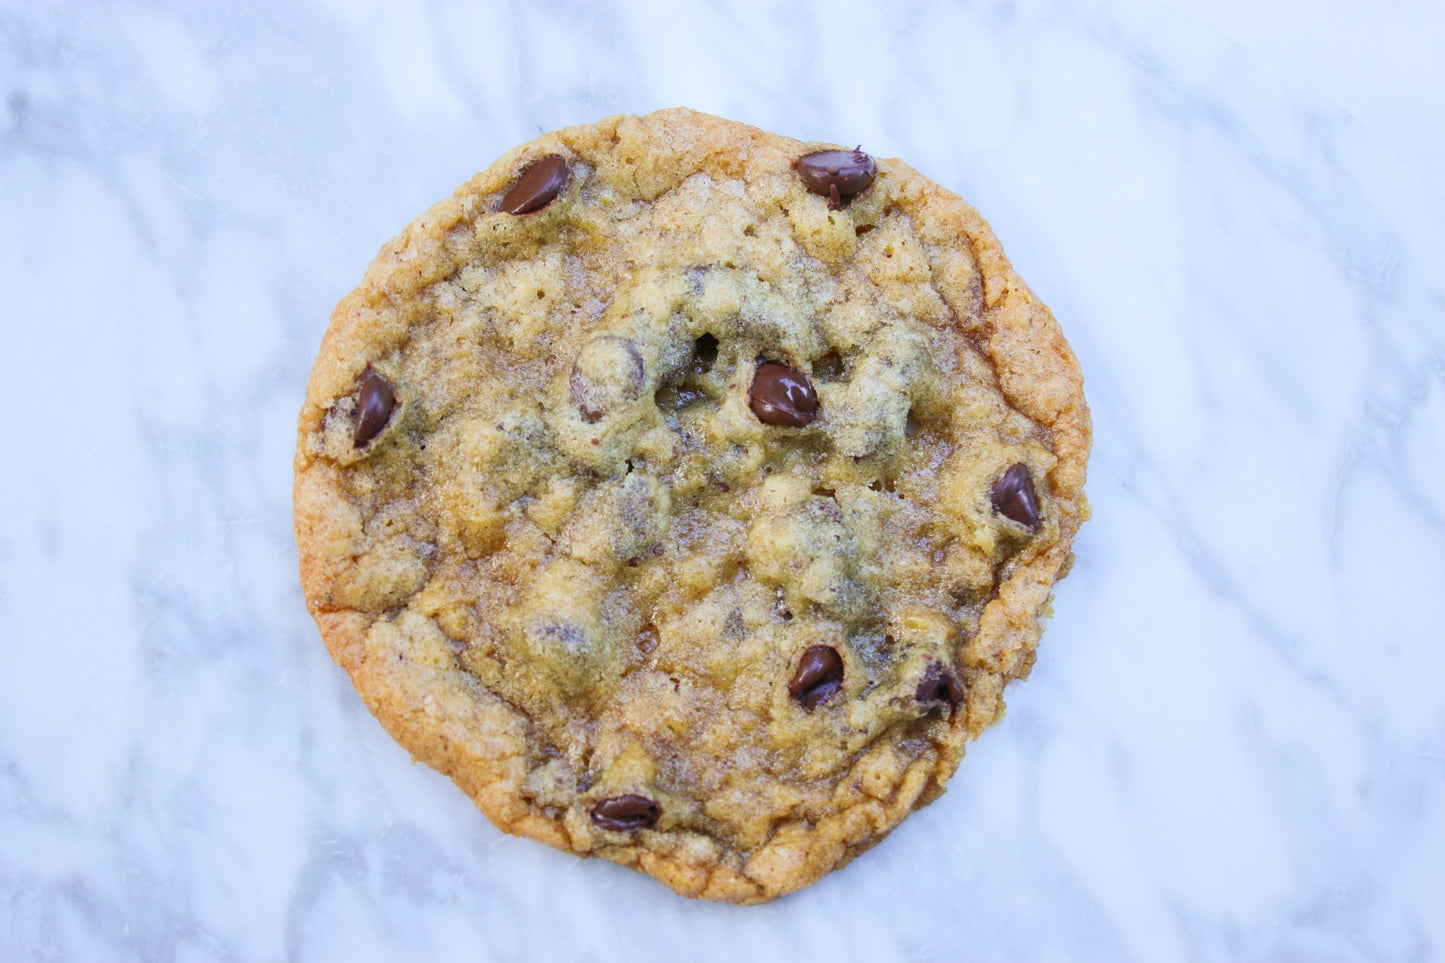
(538, 186)
(940, 686)
(782, 396)
(607, 374)
(1013, 496)
(819, 675)
(623, 814)
(836, 174)
(374, 404)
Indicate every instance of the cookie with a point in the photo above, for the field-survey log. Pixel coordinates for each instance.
(688, 494)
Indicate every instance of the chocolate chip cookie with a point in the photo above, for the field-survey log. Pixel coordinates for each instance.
(688, 494)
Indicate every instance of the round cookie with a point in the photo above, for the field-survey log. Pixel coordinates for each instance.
(688, 494)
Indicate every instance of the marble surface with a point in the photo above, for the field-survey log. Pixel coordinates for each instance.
(1233, 744)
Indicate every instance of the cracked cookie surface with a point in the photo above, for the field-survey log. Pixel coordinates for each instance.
(688, 494)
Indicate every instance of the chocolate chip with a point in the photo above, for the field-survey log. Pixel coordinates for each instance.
(1013, 496)
(607, 374)
(538, 186)
(782, 396)
(623, 814)
(939, 685)
(836, 174)
(374, 404)
(819, 675)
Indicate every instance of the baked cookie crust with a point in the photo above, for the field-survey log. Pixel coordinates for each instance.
(688, 494)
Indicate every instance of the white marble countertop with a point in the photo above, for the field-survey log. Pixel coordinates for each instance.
(1233, 743)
